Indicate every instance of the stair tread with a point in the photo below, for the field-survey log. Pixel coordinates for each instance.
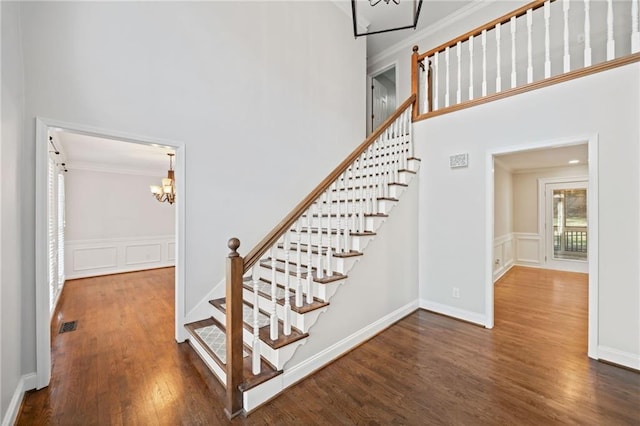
(349, 215)
(314, 250)
(335, 231)
(211, 336)
(368, 186)
(275, 344)
(266, 263)
(264, 289)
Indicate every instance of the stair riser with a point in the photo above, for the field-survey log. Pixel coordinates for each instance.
(341, 265)
(218, 372)
(357, 182)
(318, 288)
(354, 241)
(346, 197)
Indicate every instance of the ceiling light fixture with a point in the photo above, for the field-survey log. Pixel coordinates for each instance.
(574, 161)
(409, 21)
(166, 191)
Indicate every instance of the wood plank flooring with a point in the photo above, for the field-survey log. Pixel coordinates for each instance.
(122, 365)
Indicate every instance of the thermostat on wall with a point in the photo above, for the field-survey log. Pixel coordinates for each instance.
(458, 160)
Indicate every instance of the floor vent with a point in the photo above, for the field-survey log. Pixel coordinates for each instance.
(68, 326)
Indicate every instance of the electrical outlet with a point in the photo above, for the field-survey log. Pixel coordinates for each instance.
(456, 292)
(497, 261)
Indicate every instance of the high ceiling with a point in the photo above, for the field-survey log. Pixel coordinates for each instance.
(544, 158)
(384, 15)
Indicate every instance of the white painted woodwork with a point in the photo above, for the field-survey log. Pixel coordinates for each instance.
(446, 77)
(255, 347)
(498, 59)
(459, 86)
(310, 212)
(512, 26)
(566, 59)
(587, 33)
(287, 286)
(470, 67)
(547, 41)
(529, 46)
(484, 62)
(273, 318)
(635, 34)
(611, 44)
(436, 82)
(299, 291)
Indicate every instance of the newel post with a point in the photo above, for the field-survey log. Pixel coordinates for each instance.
(235, 269)
(415, 79)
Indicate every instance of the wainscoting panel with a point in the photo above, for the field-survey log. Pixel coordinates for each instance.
(502, 255)
(528, 249)
(89, 258)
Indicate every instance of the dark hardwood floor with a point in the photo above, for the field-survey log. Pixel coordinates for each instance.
(122, 365)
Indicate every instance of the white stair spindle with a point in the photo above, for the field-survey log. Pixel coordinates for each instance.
(273, 319)
(514, 78)
(446, 77)
(287, 286)
(470, 67)
(353, 198)
(547, 42)
(346, 228)
(436, 85)
(373, 190)
(320, 269)
(299, 295)
(458, 54)
(587, 34)
(611, 44)
(329, 252)
(566, 4)
(484, 62)
(310, 257)
(529, 46)
(337, 196)
(635, 34)
(255, 348)
(498, 58)
(411, 148)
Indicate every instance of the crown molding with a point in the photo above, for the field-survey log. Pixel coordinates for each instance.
(431, 29)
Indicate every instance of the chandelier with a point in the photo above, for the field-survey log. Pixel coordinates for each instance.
(166, 191)
(374, 2)
(401, 17)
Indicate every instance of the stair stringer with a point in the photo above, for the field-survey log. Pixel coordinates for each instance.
(381, 288)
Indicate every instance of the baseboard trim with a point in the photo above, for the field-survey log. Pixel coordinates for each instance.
(27, 382)
(453, 312)
(316, 362)
(618, 357)
(503, 272)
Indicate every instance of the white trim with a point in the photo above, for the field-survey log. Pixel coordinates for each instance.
(505, 263)
(592, 212)
(489, 232)
(523, 261)
(626, 359)
(434, 28)
(319, 360)
(454, 312)
(27, 382)
(43, 333)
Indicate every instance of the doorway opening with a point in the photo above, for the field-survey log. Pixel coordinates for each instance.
(542, 206)
(382, 96)
(102, 218)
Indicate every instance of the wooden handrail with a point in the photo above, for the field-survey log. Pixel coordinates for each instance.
(272, 237)
(476, 32)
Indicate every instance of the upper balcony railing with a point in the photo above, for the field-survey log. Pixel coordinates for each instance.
(540, 43)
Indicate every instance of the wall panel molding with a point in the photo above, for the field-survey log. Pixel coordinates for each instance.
(89, 258)
(503, 258)
(527, 248)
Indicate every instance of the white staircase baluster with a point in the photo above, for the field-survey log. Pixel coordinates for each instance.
(329, 253)
(287, 284)
(446, 77)
(320, 269)
(353, 185)
(514, 78)
(299, 295)
(547, 42)
(255, 348)
(346, 219)
(372, 185)
(273, 319)
(529, 46)
(484, 62)
(566, 4)
(498, 58)
(458, 54)
(611, 44)
(411, 148)
(635, 34)
(470, 67)
(436, 85)
(587, 34)
(337, 195)
(310, 256)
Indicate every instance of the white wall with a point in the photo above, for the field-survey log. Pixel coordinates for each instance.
(502, 221)
(114, 224)
(267, 98)
(606, 104)
(11, 274)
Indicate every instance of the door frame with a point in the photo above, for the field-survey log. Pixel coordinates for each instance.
(592, 212)
(545, 261)
(43, 317)
(370, 76)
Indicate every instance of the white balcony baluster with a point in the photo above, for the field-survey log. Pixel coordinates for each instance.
(566, 4)
(635, 34)
(514, 78)
(498, 59)
(436, 84)
(587, 34)
(484, 62)
(547, 41)
(459, 91)
(470, 67)
(529, 46)
(611, 44)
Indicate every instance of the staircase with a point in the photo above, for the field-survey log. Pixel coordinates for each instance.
(288, 280)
